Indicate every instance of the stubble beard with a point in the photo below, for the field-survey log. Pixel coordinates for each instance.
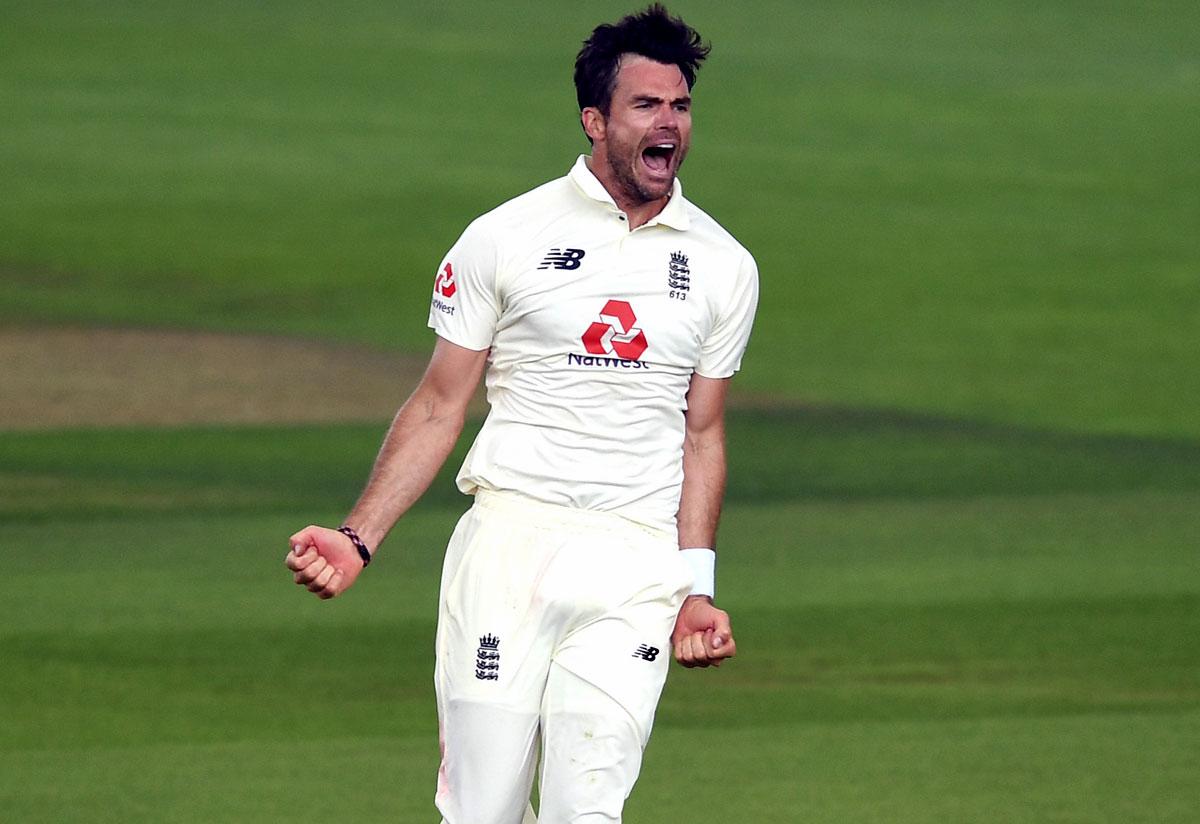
(622, 165)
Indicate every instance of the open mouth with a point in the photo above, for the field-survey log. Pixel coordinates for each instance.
(658, 157)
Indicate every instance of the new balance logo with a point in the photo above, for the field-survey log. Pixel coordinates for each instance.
(487, 658)
(646, 653)
(562, 259)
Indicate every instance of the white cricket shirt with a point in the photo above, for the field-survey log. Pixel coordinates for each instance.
(595, 332)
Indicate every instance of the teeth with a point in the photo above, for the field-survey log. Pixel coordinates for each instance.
(665, 146)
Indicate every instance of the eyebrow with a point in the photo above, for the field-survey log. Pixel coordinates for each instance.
(649, 98)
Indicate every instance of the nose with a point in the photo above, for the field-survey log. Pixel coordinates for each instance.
(667, 117)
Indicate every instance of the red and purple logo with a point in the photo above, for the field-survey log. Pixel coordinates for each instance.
(444, 283)
(615, 333)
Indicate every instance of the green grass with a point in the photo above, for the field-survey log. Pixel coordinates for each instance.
(985, 210)
(960, 541)
(777, 455)
(983, 647)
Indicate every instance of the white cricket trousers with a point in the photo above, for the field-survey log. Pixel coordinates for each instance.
(554, 629)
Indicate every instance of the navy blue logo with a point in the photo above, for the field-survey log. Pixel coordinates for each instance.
(562, 259)
(646, 653)
(487, 659)
(679, 277)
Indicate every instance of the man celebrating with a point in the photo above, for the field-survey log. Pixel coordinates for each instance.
(610, 314)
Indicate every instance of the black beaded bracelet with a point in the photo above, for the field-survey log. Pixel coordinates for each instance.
(358, 543)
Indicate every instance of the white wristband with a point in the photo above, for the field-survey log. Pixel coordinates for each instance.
(703, 563)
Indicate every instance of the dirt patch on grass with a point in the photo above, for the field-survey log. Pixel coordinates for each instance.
(54, 378)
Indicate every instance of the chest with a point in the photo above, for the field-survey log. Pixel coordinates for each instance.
(645, 297)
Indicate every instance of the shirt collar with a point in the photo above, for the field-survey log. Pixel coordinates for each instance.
(674, 214)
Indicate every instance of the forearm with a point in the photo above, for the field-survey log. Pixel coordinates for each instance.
(703, 487)
(417, 444)
(419, 440)
(702, 636)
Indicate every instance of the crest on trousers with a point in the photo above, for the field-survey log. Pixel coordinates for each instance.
(487, 658)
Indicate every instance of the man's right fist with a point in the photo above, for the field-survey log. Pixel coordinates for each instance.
(323, 560)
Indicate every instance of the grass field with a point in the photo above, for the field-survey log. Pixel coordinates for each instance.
(963, 651)
(961, 541)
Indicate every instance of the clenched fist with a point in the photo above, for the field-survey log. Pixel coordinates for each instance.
(324, 560)
(703, 636)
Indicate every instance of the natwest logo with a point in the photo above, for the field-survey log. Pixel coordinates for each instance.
(615, 333)
(444, 283)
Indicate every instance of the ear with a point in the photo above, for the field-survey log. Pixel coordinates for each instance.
(594, 125)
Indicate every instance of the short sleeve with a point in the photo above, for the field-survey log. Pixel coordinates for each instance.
(465, 306)
(721, 352)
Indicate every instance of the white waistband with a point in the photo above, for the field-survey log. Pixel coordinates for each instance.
(552, 516)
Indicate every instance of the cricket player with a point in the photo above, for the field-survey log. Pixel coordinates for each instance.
(608, 314)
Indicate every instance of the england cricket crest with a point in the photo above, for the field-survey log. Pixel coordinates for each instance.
(679, 277)
(487, 659)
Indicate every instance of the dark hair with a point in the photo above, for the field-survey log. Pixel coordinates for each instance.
(653, 33)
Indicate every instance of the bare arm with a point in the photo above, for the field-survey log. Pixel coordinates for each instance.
(703, 635)
(421, 437)
(417, 444)
(703, 463)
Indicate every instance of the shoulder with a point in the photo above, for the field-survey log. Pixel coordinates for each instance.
(498, 241)
(707, 231)
(517, 217)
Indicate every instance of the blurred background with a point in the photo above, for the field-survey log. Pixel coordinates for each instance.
(960, 546)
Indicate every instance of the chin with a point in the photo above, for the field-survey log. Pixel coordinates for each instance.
(658, 189)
